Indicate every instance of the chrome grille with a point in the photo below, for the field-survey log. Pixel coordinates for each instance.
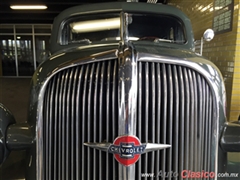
(175, 106)
(80, 106)
(183, 118)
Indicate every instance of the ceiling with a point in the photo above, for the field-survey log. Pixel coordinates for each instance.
(9, 16)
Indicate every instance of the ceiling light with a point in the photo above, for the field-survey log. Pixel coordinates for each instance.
(96, 25)
(28, 7)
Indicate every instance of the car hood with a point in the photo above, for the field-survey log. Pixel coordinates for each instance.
(100, 52)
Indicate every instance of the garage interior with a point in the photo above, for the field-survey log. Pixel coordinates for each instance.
(223, 51)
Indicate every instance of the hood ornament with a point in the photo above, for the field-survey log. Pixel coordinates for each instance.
(127, 149)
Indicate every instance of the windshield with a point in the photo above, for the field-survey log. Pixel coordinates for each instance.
(157, 28)
(91, 28)
(106, 27)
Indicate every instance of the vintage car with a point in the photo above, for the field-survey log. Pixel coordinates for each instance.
(123, 96)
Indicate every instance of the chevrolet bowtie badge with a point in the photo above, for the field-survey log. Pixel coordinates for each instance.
(127, 149)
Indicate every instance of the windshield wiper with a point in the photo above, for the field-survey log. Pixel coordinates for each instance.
(163, 40)
(82, 41)
(168, 40)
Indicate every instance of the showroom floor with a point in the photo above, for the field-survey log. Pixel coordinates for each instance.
(14, 94)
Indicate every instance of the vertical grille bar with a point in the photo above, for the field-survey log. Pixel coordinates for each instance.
(206, 132)
(158, 117)
(195, 122)
(153, 107)
(169, 118)
(107, 115)
(181, 120)
(186, 123)
(203, 130)
(199, 123)
(73, 125)
(164, 118)
(176, 120)
(89, 123)
(146, 123)
(59, 126)
(210, 130)
(191, 120)
(68, 122)
(78, 116)
(64, 112)
(114, 114)
(56, 127)
(84, 121)
(139, 164)
(96, 102)
(47, 141)
(101, 109)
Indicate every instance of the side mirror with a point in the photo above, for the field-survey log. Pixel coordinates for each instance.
(6, 118)
(208, 35)
(230, 140)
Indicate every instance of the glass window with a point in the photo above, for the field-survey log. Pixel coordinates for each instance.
(87, 29)
(141, 27)
(7, 56)
(157, 28)
(17, 56)
(6, 28)
(42, 28)
(23, 28)
(25, 55)
(42, 48)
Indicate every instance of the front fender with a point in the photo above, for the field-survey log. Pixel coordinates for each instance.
(6, 118)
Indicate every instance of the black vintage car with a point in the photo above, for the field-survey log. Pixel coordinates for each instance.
(123, 96)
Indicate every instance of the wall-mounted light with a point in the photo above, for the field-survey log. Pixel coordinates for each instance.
(96, 25)
(28, 7)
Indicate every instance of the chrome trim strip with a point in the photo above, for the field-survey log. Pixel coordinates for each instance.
(139, 113)
(107, 116)
(170, 115)
(74, 113)
(56, 133)
(186, 122)
(78, 106)
(158, 114)
(95, 109)
(177, 120)
(89, 114)
(146, 111)
(68, 115)
(101, 109)
(127, 90)
(114, 113)
(153, 113)
(164, 116)
(181, 116)
(84, 97)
